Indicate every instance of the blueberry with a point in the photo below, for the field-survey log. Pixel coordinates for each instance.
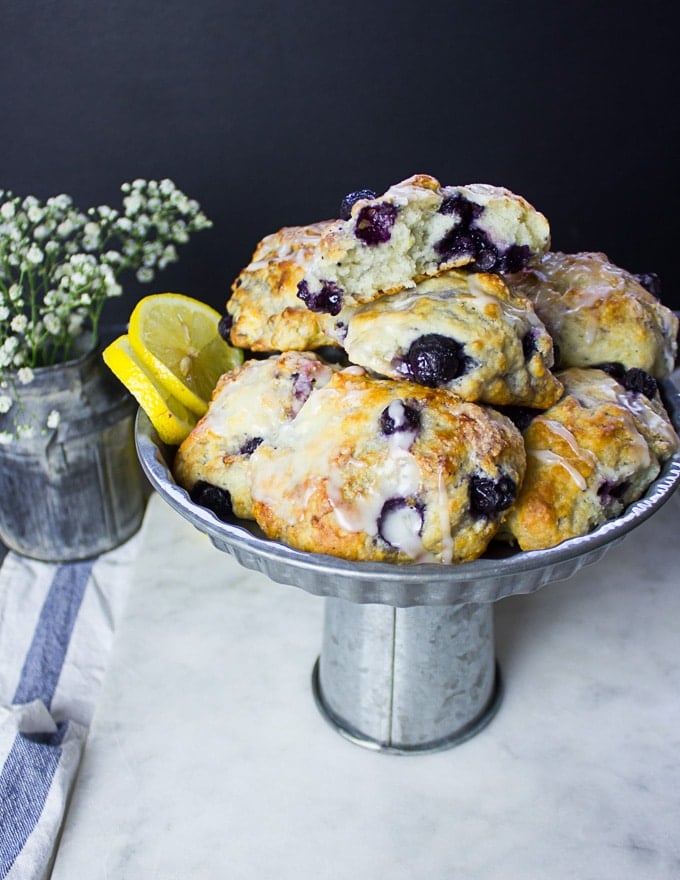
(327, 300)
(374, 223)
(224, 327)
(651, 282)
(215, 499)
(467, 211)
(351, 198)
(399, 416)
(513, 259)
(609, 492)
(467, 240)
(434, 360)
(639, 381)
(529, 346)
(485, 253)
(615, 369)
(250, 445)
(634, 380)
(520, 416)
(470, 243)
(488, 497)
(303, 384)
(400, 519)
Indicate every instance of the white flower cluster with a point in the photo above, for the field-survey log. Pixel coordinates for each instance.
(59, 265)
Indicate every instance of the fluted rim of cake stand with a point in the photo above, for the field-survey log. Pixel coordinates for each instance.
(481, 580)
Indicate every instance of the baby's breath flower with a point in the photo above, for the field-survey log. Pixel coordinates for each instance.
(53, 419)
(52, 324)
(123, 225)
(6, 438)
(75, 324)
(34, 255)
(41, 232)
(19, 323)
(65, 228)
(5, 403)
(132, 204)
(144, 275)
(169, 255)
(59, 265)
(112, 258)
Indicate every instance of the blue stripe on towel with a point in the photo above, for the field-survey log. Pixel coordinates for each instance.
(45, 657)
(25, 782)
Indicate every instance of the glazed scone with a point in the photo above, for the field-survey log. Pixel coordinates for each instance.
(589, 456)
(248, 405)
(465, 332)
(416, 229)
(598, 313)
(377, 469)
(265, 310)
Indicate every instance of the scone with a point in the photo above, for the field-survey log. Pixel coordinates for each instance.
(264, 309)
(465, 332)
(589, 456)
(303, 282)
(248, 405)
(377, 469)
(598, 313)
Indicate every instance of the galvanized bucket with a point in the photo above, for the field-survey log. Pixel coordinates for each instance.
(76, 490)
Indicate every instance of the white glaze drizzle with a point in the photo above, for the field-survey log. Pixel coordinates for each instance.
(551, 458)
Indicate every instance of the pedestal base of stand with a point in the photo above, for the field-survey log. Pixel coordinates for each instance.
(439, 745)
(407, 680)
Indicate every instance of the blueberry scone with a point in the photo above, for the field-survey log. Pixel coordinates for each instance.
(247, 407)
(303, 282)
(598, 313)
(265, 312)
(378, 469)
(465, 332)
(590, 455)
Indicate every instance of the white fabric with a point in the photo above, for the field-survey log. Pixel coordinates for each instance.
(57, 624)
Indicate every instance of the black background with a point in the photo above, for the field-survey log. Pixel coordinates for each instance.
(267, 113)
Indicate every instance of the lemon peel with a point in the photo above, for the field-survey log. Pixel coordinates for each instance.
(176, 338)
(169, 417)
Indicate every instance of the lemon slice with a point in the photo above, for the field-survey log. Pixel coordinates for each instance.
(177, 340)
(171, 419)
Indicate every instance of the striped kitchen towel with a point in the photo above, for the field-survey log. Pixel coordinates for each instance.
(57, 624)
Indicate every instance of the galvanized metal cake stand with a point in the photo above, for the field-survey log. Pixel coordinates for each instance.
(407, 661)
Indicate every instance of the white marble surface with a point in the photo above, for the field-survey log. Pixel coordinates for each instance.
(207, 757)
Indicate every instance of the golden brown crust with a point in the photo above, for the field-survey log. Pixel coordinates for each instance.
(248, 406)
(597, 313)
(334, 482)
(347, 262)
(588, 457)
(267, 313)
(505, 354)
